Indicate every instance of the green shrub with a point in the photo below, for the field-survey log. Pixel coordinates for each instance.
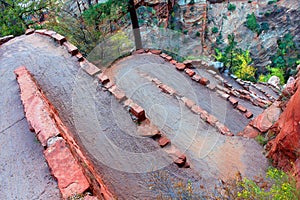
(185, 32)
(198, 34)
(264, 26)
(215, 30)
(271, 2)
(267, 14)
(272, 71)
(231, 7)
(282, 187)
(261, 140)
(252, 24)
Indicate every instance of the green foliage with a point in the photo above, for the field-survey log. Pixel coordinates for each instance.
(272, 71)
(215, 29)
(264, 26)
(236, 60)
(17, 15)
(283, 187)
(285, 59)
(231, 7)
(261, 140)
(252, 24)
(243, 69)
(271, 2)
(86, 29)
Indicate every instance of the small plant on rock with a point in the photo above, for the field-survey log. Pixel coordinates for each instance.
(231, 7)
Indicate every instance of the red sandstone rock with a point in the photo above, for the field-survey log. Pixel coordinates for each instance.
(163, 141)
(189, 72)
(234, 93)
(29, 31)
(156, 81)
(180, 161)
(223, 94)
(173, 62)
(233, 101)
(196, 109)
(265, 120)
(79, 57)
(137, 111)
(163, 55)
(204, 115)
(188, 63)
(248, 114)
(223, 129)
(103, 78)
(169, 58)
(250, 132)
(212, 120)
(180, 66)
(5, 39)
(109, 85)
(289, 87)
(139, 51)
(212, 87)
(41, 31)
(67, 171)
(49, 33)
(204, 81)
(227, 85)
(167, 89)
(155, 51)
(73, 50)
(128, 102)
(90, 68)
(196, 77)
(29, 88)
(284, 149)
(241, 108)
(212, 72)
(118, 93)
(188, 102)
(88, 197)
(220, 78)
(59, 38)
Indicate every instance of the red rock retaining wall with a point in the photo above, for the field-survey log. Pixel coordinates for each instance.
(284, 150)
(73, 170)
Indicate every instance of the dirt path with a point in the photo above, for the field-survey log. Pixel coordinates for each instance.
(126, 161)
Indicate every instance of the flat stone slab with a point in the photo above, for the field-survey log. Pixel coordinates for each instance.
(29, 31)
(90, 68)
(6, 39)
(59, 38)
(180, 66)
(163, 141)
(137, 111)
(190, 72)
(103, 78)
(65, 169)
(72, 49)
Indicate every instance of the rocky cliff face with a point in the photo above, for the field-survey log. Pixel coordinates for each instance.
(210, 22)
(278, 18)
(284, 150)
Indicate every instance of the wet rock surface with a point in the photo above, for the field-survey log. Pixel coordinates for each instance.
(24, 173)
(125, 160)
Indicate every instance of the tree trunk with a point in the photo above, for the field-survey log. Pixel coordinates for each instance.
(89, 2)
(135, 25)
